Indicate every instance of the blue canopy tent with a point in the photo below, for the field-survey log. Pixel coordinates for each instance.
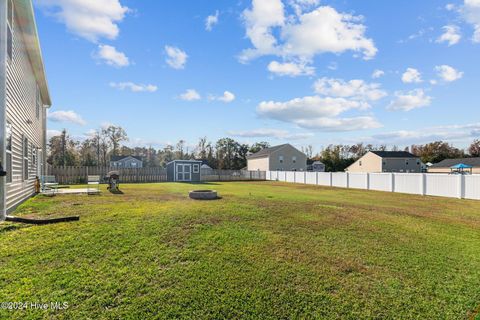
(460, 168)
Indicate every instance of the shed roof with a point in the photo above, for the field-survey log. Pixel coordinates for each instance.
(448, 163)
(394, 154)
(266, 152)
(26, 18)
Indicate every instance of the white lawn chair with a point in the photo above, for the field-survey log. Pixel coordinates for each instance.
(93, 184)
(49, 185)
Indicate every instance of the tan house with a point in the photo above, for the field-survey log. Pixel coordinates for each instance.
(24, 97)
(387, 161)
(445, 165)
(279, 158)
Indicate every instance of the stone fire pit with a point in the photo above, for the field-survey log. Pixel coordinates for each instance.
(203, 195)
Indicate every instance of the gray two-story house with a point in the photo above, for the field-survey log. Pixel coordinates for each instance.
(128, 162)
(24, 97)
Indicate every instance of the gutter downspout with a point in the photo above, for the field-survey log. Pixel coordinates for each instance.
(3, 70)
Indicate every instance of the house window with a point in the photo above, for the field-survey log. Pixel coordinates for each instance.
(34, 157)
(25, 158)
(406, 162)
(294, 159)
(280, 158)
(418, 162)
(8, 164)
(196, 168)
(360, 163)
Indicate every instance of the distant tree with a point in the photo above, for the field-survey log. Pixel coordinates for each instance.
(336, 157)
(116, 135)
(308, 150)
(436, 151)
(257, 146)
(474, 149)
(62, 150)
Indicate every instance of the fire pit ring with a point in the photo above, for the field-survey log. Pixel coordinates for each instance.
(203, 195)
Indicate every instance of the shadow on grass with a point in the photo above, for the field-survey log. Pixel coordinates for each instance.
(117, 191)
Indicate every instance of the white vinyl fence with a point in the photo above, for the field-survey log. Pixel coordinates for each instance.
(442, 185)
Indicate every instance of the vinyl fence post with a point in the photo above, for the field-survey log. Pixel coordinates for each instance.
(423, 184)
(316, 178)
(348, 180)
(461, 186)
(393, 182)
(368, 181)
(331, 179)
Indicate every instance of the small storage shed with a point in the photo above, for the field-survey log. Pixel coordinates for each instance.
(183, 171)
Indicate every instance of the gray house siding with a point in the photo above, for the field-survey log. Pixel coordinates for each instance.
(25, 115)
(127, 162)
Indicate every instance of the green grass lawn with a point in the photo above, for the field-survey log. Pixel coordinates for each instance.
(264, 251)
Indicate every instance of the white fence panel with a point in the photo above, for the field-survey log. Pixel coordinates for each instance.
(324, 179)
(411, 183)
(300, 177)
(358, 180)
(443, 185)
(472, 187)
(311, 178)
(340, 179)
(381, 181)
(290, 176)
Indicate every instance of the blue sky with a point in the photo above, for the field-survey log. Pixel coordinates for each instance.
(300, 71)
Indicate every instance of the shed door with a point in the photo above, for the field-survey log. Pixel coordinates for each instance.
(184, 172)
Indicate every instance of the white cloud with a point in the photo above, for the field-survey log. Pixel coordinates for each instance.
(270, 133)
(407, 101)
(290, 69)
(451, 35)
(66, 116)
(445, 133)
(378, 74)
(340, 124)
(176, 58)
(190, 95)
(448, 74)
(412, 76)
(227, 97)
(354, 89)
(450, 7)
(134, 87)
(305, 35)
(299, 6)
(90, 19)
(53, 133)
(211, 21)
(319, 113)
(308, 107)
(471, 12)
(112, 57)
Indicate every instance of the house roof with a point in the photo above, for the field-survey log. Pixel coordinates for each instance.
(266, 152)
(447, 163)
(394, 154)
(118, 158)
(26, 18)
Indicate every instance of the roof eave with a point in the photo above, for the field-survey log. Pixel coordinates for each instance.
(24, 9)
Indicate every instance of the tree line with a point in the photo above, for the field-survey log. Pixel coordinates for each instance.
(225, 153)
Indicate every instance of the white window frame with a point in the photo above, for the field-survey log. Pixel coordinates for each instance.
(25, 159)
(280, 159)
(294, 159)
(196, 168)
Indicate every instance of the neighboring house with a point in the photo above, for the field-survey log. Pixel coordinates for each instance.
(280, 158)
(316, 166)
(184, 171)
(127, 162)
(24, 97)
(445, 165)
(387, 161)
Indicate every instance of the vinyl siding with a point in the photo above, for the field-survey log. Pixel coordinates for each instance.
(288, 152)
(21, 95)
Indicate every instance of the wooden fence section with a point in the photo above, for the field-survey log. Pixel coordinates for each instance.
(79, 175)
